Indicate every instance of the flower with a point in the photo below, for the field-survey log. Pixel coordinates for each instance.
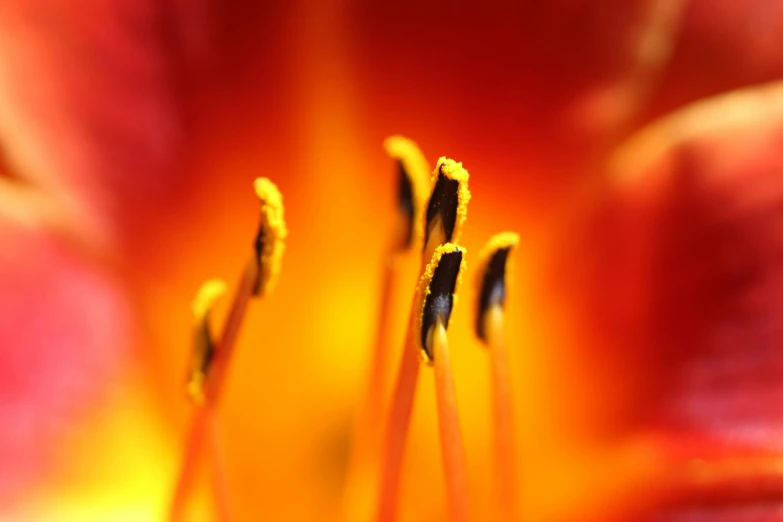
(133, 132)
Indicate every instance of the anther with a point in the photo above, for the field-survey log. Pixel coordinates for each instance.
(492, 277)
(270, 240)
(204, 345)
(447, 207)
(437, 290)
(411, 189)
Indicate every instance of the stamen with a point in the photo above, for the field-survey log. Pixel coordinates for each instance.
(204, 349)
(257, 279)
(407, 233)
(493, 280)
(447, 208)
(436, 293)
(444, 218)
(492, 271)
(271, 236)
(446, 281)
(412, 189)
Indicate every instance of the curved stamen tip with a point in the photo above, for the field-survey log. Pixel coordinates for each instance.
(412, 188)
(437, 293)
(270, 240)
(493, 276)
(204, 344)
(447, 208)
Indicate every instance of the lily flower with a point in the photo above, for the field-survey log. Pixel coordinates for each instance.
(632, 145)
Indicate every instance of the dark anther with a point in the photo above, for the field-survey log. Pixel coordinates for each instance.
(444, 202)
(440, 300)
(493, 288)
(208, 352)
(259, 250)
(405, 201)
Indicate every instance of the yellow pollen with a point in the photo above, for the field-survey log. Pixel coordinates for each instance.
(204, 346)
(270, 242)
(436, 228)
(453, 170)
(501, 241)
(416, 169)
(424, 290)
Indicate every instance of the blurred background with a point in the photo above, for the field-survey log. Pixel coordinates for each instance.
(634, 145)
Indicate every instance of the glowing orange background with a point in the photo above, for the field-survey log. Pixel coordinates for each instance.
(534, 99)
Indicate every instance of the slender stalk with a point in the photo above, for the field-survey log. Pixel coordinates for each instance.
(396, 434)
(219, 475)
(364, 455)
(190, 460)
(401, 407)
(501, 412)
(213, 387)
(225, 349)
(397, 430)
(452, 446)
(374, 406)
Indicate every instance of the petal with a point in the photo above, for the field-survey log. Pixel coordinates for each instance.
(90, 134)
(722, 45)
(64, 330)
(88, 115)
(682, 287)
(529, 93)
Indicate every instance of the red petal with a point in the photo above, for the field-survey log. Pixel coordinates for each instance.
(90, 130)
(531, 92)
(63, 330)
(685, 303)
(88, 105)
(723, 45)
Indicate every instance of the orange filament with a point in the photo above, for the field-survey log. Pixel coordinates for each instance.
(397, 430)
(204, 414)
(501, 411)
(452, 445)
(367, 433)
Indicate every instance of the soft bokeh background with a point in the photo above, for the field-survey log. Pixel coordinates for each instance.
(634, 145)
